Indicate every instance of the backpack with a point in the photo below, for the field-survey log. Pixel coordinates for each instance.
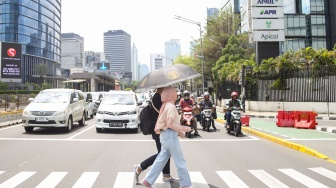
(147, 122)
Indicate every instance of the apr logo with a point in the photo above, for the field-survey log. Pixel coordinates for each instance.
(172, 75)
(11, 52)
(266, 1)
(268, 12)
(268, 24)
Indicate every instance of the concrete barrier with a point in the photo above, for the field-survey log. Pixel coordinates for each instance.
(10, 118)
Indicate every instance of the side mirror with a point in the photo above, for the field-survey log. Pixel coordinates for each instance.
(75, 100)
(89, 100)
(139, 103)
(98, 102)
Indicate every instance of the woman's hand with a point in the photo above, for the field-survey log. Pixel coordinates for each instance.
(157, 131)
(181, 134)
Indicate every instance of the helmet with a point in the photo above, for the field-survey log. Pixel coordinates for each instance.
(234, 94)
(179, 94)
(206, 94)
(186, 94)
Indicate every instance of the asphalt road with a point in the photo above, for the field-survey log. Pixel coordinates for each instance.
(84, 158)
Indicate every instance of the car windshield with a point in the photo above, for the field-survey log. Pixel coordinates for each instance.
(140, 97)
(95, 96)
(52, 97)
(122, 99)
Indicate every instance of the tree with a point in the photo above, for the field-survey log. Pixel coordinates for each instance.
(3, 86)
(41, 70)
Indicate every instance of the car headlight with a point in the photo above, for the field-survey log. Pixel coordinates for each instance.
(26, 112)
(61, 113)
(132, 112)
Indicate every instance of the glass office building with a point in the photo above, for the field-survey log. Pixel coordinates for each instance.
(36, 24)
(307, 23)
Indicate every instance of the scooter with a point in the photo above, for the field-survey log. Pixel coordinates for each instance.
(207, 118)
(187, 119)
(235, 121)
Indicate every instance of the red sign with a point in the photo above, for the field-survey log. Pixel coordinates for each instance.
(11, 52)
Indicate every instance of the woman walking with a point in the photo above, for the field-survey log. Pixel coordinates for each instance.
(169, 128)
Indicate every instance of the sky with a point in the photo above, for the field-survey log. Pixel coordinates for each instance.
(149, 22)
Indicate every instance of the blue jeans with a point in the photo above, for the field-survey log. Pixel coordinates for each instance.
(228, 117)
(170, 146)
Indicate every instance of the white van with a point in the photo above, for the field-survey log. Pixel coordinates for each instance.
(55, 108)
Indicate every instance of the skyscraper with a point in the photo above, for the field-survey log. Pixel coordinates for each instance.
(72, 52)
(36, 25)
(172, 50)
(117, 49)
(135, 63)
(143, 70)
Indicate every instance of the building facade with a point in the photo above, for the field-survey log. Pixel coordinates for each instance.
(72, 53)
(117, 49)
(36, 25)
(157, 61)
(308, 23)
(172, 50)
(92, 59)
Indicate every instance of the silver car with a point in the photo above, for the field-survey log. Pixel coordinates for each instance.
(55, 108)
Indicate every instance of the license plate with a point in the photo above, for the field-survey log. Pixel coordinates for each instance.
(115, 124)
(41, 119)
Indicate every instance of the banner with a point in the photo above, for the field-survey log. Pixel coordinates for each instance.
(11, 56)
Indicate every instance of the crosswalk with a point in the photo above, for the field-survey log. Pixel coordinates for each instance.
(317, 177)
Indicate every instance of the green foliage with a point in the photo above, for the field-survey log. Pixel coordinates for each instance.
(20, 92)
(46, 86)
(3, 86)
(128, 89)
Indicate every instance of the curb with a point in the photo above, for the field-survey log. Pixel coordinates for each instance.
(318, 117)
(292, 145)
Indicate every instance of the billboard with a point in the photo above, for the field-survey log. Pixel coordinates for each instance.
(268, 24)
(11, 56)
(269, 36)
(267, 3)
(103, 66)
(267, 12)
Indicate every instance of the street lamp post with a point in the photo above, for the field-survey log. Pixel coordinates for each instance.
(200, 30)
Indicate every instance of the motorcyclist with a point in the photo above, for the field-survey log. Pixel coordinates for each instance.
(188, 102)
(206, 102)
(233, 102)
(179, 96)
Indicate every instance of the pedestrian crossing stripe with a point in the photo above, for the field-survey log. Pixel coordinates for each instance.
(126, 179)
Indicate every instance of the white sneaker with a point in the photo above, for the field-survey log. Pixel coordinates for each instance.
(137, 171)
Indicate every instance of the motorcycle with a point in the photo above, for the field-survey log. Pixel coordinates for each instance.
(178, 108)
(207, 118)
(187, 119)
(235, 121)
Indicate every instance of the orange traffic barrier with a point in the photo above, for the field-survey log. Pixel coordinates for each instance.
(305, 119)
(285, 119)
(245, 120)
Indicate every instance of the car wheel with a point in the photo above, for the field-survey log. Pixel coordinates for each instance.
(69, 124)
(91, 115)
(29, 129)
(99, 130)
(82, 121)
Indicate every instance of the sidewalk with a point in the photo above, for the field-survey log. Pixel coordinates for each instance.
(266, 129)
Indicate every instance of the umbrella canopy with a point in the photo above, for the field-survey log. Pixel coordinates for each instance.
(166, 76)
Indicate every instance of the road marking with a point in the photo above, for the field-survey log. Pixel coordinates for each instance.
(86, 180)
(52, 180)
(17, 179)
(198, 180)
(231, 179)
(267, 179)
(123, 180)
(23, 163)
(305, 180)
(324, 172)
(71, 137)
(312, 139)
(130, 140)
(2, 172)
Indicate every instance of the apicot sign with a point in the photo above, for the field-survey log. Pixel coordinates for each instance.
(267, 3)
(268, 36)
(10, 62)
(267, 12)
(268, 24)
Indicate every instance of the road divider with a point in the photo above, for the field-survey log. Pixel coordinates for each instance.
(10, 118)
